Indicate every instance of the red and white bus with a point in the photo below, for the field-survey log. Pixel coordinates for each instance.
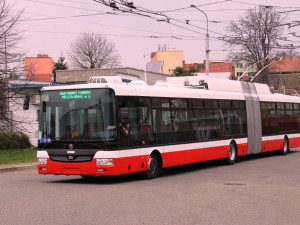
(81, 126)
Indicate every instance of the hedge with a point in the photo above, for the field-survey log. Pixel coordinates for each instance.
(13, 140)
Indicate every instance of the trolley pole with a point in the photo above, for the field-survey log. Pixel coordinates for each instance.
(251, 81)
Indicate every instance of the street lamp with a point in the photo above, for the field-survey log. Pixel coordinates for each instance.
(207, 39)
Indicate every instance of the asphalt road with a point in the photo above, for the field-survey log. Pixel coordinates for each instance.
(256, 190)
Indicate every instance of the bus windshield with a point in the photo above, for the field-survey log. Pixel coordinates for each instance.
(82, 114)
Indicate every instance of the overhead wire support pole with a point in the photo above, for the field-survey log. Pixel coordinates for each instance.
(264, 68)
(207, 39)
(251, 67)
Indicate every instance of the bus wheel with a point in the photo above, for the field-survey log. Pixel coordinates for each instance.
(153, 167)
(232, 155)
(285, 148)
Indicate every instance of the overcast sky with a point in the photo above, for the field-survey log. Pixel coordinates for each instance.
(49, 27)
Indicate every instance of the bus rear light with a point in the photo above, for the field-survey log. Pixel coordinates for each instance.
(42, 161)
(104, 162)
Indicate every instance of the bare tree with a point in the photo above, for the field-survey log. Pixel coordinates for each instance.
(91, 50)
(254, 37)
(10, 58)
(288, 53)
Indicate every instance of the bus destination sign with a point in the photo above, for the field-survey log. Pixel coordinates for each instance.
(79, 94)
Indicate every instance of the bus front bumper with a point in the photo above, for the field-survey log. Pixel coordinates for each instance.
(80, 168)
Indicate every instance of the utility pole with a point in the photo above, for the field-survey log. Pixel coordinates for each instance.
(5, 78)
(206, 39)
(145, 71)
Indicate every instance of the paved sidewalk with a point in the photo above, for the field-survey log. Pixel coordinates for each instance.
(19, 166)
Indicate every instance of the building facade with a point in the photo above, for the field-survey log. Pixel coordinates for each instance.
(25, 121)
(38, 68)
(213, 66)
(127, 74)
(169, 59)
(288, 65)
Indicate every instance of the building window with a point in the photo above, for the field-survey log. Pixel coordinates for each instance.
(239, 65)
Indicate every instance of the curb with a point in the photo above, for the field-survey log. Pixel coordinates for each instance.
(17, 167)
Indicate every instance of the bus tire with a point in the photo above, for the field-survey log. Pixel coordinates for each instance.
(153, 167)
(232, 154)
(285, 147)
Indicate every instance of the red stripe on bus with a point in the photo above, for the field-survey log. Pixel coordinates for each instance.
(140, 163)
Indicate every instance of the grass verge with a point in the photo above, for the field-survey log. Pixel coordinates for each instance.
(13, 156)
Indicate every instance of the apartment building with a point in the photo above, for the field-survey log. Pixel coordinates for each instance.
(38, 68)
(165, 60)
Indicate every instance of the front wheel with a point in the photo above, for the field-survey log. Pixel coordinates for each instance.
(153, 167)
(285, 148)
(232, 155)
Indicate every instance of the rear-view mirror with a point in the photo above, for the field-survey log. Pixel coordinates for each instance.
(26, 102)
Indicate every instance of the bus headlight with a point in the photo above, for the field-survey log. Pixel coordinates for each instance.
(104, 162)
(42, 161)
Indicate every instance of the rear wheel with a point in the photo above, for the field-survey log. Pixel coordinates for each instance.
(232, 155)
(153, 167)
(285, 148)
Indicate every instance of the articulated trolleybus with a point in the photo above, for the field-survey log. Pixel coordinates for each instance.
(108, 128)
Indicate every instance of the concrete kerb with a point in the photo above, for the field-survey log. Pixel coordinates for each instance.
(19, 166)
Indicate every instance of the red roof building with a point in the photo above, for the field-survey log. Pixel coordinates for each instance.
(285, 66)
(214, 67)
(38, 68)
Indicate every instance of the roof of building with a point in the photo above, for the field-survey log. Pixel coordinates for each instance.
(24, 84)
